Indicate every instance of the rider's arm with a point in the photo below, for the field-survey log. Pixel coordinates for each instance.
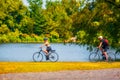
(100, 45)
(42, 45)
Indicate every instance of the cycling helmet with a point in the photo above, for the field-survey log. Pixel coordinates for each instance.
(100, 37)
(45, 39)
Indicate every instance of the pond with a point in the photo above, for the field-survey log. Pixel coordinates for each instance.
(24, 51)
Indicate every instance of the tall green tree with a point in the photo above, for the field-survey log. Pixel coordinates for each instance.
(57, 19)
(36, 13)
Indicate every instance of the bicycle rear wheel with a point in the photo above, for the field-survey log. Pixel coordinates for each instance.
(37, 56)
(94, 57)
(111, 56)
(53, 56)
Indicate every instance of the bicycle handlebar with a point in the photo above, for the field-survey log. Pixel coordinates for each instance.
(96, 49)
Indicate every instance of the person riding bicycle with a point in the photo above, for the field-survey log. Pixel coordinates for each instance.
(48, 47)
(103, 46)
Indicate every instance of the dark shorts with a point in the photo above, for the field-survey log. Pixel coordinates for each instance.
(105, 48)
(49, 49)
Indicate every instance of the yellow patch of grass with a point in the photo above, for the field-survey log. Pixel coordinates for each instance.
(15, 67)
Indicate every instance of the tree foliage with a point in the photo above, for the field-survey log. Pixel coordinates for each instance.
(60, 20)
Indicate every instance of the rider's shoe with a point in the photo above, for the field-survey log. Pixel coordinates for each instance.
(104, 58)
(47, 57)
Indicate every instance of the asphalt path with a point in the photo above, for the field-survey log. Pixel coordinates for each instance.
(103, 74)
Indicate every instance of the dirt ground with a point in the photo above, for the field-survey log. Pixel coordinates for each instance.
(104, 74)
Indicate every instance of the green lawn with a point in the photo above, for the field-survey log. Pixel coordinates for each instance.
(17, 67)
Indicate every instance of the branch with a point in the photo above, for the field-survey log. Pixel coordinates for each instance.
(113, 3)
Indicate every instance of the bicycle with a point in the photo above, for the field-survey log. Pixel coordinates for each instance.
(95, 56)
(52, 56)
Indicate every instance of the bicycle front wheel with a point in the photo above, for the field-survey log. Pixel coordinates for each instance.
(37, 57)
(53, 57)
(94, 57)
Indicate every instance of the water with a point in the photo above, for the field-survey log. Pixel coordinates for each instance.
(24, 52)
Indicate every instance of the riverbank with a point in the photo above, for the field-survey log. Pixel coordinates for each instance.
(20, 67)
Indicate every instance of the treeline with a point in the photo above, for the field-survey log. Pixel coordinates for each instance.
(60, 20)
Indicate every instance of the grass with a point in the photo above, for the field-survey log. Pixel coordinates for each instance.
(18, 67)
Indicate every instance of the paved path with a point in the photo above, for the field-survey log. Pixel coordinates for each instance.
(104, 74)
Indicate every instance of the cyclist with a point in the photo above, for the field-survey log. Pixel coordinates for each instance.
(103, 46)
(48, 47)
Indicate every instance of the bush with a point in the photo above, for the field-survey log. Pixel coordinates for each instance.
(4, 39)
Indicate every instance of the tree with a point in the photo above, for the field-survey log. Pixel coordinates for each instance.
(36, 14)
(57, 19)
(4, 29)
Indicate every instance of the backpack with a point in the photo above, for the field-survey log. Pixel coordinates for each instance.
(106, 41)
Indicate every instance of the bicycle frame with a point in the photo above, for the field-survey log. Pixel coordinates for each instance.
(41, 51)
(44, 52)
(99, 51)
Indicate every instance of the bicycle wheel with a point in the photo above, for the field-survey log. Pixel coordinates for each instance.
(111, 56)
(37, 56)
(53, 56)
(117, 55)
(94, 57)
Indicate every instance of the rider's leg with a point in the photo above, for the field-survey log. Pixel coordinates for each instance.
(105, 53)
(46, 54)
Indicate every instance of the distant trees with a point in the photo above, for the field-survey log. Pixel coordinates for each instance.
(60, 20)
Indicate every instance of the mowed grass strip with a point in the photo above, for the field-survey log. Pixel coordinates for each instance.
(17, 67)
